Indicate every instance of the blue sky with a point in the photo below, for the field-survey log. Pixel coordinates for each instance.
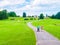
(31, 7)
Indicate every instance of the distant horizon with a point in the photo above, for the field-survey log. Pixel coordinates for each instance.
(31, 7)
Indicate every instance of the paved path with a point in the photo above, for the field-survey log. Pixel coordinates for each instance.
(43, 37)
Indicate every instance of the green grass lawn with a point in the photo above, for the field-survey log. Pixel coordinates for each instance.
(16, 33)
(50, 25)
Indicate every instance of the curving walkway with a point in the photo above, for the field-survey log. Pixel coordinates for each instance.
(43, 37)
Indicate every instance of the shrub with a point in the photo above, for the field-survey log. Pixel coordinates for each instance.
(31, 18)
(12, 19)
(26, 19)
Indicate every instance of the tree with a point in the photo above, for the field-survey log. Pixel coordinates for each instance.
(41, 16)
(58, 15)
(3, 14)
(53, 16)
(24, 14)
(12, 14)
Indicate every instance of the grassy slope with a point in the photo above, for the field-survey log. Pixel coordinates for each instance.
(50, 25)
(16, 33)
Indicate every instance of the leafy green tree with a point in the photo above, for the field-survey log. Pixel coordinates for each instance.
(12, 14)
(58, 15)
(53, 16)
(41, 16)
(24, 14)
(3, 14)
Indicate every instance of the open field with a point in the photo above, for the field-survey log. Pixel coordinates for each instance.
(16, 33)
(50, 25)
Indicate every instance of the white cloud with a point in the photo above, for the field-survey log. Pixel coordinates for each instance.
(1, 9)
(16, 1)
(10, 2)
(3, 3)
(34, 6)
(48, 1)
(37, 2)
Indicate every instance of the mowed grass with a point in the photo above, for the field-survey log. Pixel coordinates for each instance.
(50, 25)
(16, 33)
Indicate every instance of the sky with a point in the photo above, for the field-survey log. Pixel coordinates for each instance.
(31, 7)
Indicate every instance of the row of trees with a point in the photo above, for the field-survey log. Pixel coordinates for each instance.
(4, 14)
(57, 16)
(40, 17)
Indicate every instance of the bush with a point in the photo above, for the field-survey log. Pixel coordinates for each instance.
(12, 19)
(34, 18)
(31, 18)
(26, 19)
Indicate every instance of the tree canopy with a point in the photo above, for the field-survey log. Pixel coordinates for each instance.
(41, 16)
(24, 14)
(53, 16)
(3, 14)
(58, 15)
(12, 14)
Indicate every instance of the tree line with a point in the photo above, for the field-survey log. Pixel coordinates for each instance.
(41, 16)
(5, 15)
(57, 16)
